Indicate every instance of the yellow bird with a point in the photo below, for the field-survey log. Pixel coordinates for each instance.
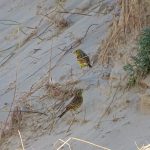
(82, 58)
(74, 104)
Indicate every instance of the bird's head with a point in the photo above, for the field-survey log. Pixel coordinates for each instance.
(79, 92)
(77, 52)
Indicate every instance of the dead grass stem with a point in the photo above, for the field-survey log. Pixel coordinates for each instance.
(6, 122)
(21, 140)
(132, 18)
(80, 140)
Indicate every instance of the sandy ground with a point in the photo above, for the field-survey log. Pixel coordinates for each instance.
(37, 41)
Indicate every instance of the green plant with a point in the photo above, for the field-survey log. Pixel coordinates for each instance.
(140, 66)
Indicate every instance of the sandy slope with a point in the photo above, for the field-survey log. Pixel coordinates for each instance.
(30, 57)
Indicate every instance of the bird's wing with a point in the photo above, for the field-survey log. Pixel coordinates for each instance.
(83, 54)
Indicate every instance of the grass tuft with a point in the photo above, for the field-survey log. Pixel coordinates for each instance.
(132, 16)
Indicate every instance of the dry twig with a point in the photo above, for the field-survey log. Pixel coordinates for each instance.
(21, 140)
(81, 140)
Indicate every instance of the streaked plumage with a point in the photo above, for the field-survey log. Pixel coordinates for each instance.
(82, 58)
(74, 104)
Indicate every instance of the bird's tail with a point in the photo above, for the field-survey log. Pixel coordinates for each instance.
(89, 65)
(62, 114)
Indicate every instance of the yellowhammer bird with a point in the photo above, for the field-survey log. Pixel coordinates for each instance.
(74, 104)
(82, 58)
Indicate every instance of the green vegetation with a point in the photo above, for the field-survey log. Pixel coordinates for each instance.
(140, 66)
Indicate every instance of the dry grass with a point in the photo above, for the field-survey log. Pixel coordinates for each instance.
(13, 124)
(145, 147)
(79, 140)
(133, 16)
(21, 140)
(60, 22)
(61, 91)
(57, 91)
(14, 120)
(19, 44)
(53, 16)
